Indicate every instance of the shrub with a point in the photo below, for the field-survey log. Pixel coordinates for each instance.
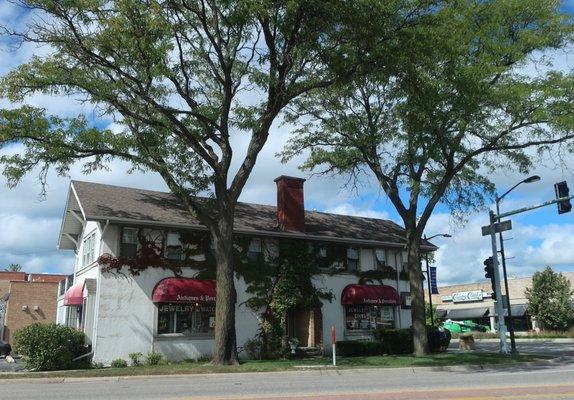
(97, 365)
(359, 348)
(154, 358)
(49, 347)
(253, 349)
(136, 358)
(395, 341)
(119, 363)
(438, 340)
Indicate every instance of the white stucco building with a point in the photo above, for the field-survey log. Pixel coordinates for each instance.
(151, 309)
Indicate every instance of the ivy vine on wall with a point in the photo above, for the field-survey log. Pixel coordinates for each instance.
(278, 279)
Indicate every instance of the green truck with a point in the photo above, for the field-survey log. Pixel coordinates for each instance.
(464, 326)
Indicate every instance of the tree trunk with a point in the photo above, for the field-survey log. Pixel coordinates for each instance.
(225, 349)
(420, 340)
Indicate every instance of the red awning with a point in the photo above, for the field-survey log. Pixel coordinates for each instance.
(75, 295)
(184, 290)
(370, 294)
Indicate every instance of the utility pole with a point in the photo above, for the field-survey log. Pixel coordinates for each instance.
(497, 291)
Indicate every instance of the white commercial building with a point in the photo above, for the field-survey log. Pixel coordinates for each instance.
(126, 298)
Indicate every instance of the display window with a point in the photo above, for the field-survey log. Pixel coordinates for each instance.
(367, 317)
(186, 319)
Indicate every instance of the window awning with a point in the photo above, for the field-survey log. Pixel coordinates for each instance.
(467, 313)
(184, 290)
(74, 296)
(440, 313)
(370, 294)
(518, 310)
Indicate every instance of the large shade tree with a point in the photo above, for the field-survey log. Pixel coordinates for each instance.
(550, 299)
(185, 81)
(435, 126)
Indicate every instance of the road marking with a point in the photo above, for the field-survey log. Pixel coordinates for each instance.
(461, 393)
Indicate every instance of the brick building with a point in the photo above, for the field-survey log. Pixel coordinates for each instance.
(26, 299)
(473, 301)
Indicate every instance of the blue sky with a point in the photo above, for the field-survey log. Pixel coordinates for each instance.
(30, 225)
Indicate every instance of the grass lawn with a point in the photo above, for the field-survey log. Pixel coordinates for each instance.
(434, 360)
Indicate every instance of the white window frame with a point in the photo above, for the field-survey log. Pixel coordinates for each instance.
(89, 249)
(122, 230)
(354, 254)
(177, 243)
(255, 249)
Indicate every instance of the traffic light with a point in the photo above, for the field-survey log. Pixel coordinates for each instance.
(489, 273)
(561, 189)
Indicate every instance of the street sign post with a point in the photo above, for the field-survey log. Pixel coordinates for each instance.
(334, 344)
(498, 227)
(498, 292)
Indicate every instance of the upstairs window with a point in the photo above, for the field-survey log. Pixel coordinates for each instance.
(173, 247)
(255, 249)
(322, 260)
(89, 249)
(352, 259)
(380, 258)
(129, 243)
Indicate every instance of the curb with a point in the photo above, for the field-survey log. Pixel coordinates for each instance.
(326, 368)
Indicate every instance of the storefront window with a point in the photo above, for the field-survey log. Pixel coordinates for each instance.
(366, 316)
(186, 319)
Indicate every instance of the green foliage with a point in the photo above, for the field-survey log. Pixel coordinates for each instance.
(438, 339)
(136, 358)
(279, 282)
(119, 363)
(13, 268)
(550, 299)
(453, 107)
(181, 80)
(437, 320)
(395, 341)
(253, 348)
(359, 348)
(49, 347)
(154, 358)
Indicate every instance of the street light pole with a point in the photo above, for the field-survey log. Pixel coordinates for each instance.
(429, 288)
(446, 235)
(503, 257)
(498, 199)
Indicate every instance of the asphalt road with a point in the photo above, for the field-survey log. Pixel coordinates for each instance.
(549, 380)
(543, 347)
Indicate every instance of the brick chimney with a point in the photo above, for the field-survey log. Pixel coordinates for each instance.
(290, 203)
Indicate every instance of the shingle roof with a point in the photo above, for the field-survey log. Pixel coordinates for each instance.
(116, 203)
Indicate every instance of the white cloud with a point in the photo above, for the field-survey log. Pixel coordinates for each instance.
(352, 209)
